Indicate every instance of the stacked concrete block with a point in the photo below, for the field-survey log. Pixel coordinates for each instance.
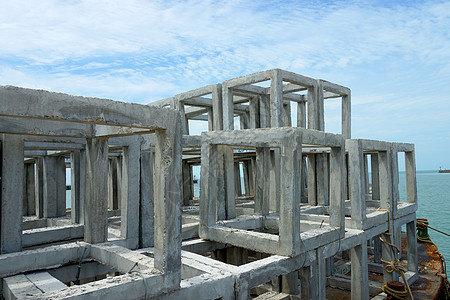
(96, 121)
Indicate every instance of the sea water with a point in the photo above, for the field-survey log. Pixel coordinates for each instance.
(433, 196)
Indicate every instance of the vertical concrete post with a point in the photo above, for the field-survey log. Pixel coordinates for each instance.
(78, 181)
(237, 179)
(377, 254)
(301, 114)
(187, 183)
(253, 108)
(275, 191)
(12, 172)
(146, 212)
(179, 105)
(395, 179)
(96, 205)
(264, 111)
(208, 188)
(356, 183)
(337, 210)
(245, 171)
(227, 108)
(360, 272)
(39, 195)
(321, 275)
(217, 107)
(168, 202)
(129, 210)
(322, 180)
(312, 199)
(366, 174)
(290, 167)
(286, 115)
(411, 246)
(210, 118)
(346, 116)
(54, 186)
(230, 193)
(262, 192)
(375, 177)
(276, 99)
(29, 190)
(410, 170)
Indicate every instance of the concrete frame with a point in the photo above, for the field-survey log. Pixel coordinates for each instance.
(289, 140)
(25, 111)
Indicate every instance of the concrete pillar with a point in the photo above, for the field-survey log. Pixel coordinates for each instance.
(410, 170)
(217, 107)
(366, 174)
(356, 183)
(11, 195)
(264, 111)
(54, 180)
(290, 283)
(39, 193)
(29, 201)
(312, 199)
(96, 205)
(276, 100)
(290, 167)
(286, 115)
(275, 191)
(262, 192)
(78, 185)
(168, 203)
(146, 212)
(411, 246)
(360, 272)
(236, 256)
(322, 180)
(237, 179)
(129, 209)
(113, 198)
(301, 114)
(210, 118)
(188, 192)
(377, 254)
(346, 116)
(230, 177)
(375, 177)
(309, 288)
(251, 167)
(253, 107)
(246, 179)
(337, 212)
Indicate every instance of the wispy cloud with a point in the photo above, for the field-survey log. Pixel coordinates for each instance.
(392, 54)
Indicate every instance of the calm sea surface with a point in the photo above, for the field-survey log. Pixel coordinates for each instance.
(433, 192)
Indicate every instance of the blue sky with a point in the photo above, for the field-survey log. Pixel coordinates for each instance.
(394, 55)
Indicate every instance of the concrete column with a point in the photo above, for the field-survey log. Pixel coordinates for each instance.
(29, 203)
(78, 185)
(227, 108)
(290, 283)
(322, 180)
(146, 212)
(304, 182)
(264, 111)
(230, 177)
(320, 106)
(251, 167)
(168, 202)
(366, 174)
(262, 192)
(360, 272)
(301, 114)
(337, 210)
(254, 113)
(237, 179)
(411, 246)
(210, 118)
(290, 167)
(217, 107)
(219, 172)
(96, 205)
(275, 191)
(385, 181)
(39, 193)
(184, 122)
(236, 256)
(356, 183)
(346, 116)
(321, 275)
(309, 288)
(11, 195)
(286, 115)
(410, 170)
(377, 254)
(129, 209)
(395, 179)
(54, 186)
(375, 177)
(276, 99)
(187, 183)
(312, 199)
